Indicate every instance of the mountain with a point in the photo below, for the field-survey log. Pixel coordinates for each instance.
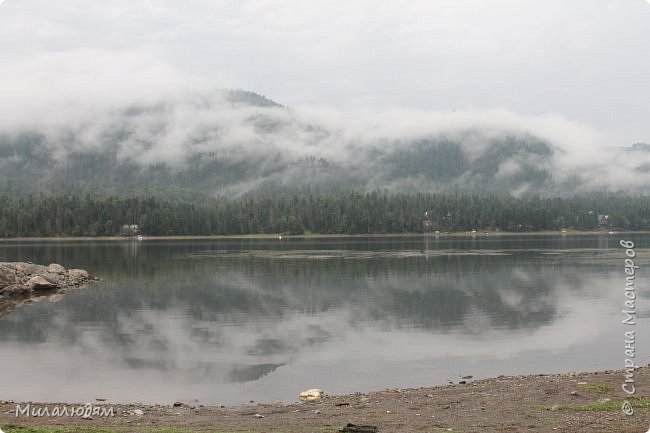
(235, 142)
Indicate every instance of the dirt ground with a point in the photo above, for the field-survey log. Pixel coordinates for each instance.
(581, 402)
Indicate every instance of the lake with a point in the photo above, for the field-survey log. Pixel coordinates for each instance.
(239, 320)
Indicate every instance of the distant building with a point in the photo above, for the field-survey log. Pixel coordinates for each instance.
(603, 220)
(130, 230)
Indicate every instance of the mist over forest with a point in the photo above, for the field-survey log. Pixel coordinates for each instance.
(235, 143)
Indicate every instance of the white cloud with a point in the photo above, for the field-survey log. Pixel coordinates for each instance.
(70, 86)
(584, 60)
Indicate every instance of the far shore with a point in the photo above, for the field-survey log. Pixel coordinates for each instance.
(276, 236)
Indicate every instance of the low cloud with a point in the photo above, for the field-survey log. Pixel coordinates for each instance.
(146, 113)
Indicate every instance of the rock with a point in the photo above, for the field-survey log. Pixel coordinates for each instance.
(352, 428)
(40, 283)
(138, 412)
(16, 291)
(23, 283)
(258, 415)
(53, 278)
(79, 274)
(178, 404)
(7, 276)
(311, 394)
(56, 268)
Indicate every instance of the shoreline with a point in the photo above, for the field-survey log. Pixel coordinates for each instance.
(539, 402)
(481, 235)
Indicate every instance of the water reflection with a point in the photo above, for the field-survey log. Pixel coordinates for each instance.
(232, 321)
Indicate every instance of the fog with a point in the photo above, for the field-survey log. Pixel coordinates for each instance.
(146, 126)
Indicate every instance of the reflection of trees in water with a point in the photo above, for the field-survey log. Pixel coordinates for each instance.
(105, 258)
(251, 372)
(434, 292)
(519, 298)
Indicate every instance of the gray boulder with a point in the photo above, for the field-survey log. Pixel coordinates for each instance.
(40, 283)
(56, 268)
(78, 275)
(7, 276)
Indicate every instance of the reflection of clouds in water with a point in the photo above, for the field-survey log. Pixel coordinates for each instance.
(173, 340)
(167, 354)
(156, 355)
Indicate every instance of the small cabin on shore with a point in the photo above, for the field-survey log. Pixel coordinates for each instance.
(130, 230)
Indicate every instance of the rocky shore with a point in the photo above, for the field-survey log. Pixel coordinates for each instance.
(22, 283)
(578, 402)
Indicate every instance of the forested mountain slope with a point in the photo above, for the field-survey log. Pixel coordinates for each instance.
(233, 143)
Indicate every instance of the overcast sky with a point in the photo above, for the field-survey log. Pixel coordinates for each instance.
(585, 60)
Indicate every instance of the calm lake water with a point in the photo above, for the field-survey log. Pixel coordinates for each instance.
(229, 321)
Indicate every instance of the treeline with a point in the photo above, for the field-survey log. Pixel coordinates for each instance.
(344, 213)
